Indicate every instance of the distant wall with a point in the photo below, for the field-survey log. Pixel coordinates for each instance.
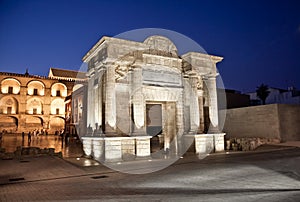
(289, 117)
(275, 121)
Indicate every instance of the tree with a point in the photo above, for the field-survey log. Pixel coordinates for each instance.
(262, 92)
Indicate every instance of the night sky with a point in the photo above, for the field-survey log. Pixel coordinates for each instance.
(259, 40)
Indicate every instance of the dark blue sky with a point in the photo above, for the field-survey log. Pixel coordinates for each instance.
(259, 40)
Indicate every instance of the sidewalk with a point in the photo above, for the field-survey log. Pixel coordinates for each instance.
(49, 167)
(239, 177)
(290, 144)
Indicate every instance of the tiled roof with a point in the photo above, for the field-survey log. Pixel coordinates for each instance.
(67, 73)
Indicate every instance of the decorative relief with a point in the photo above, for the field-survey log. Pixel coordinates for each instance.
(9, 102)
(120, 72)
(161, 77)
(35, 103)
(162, 44)
(200, 83)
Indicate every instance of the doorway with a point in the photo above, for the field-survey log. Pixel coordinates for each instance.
(154, 124)
(161, 125)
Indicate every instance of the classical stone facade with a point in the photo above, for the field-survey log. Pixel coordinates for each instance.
(138, 91)
(29, 102)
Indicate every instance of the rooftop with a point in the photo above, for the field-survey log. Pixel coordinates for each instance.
(64, 73)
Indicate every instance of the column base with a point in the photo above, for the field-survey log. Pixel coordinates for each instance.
(219, 142)
(208, 143)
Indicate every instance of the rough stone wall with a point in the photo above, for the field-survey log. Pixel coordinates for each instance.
(274, 121)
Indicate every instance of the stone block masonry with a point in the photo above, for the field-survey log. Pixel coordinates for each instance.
(278, 122)
(114, 149)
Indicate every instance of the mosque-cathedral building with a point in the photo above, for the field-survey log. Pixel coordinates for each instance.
(30, 102)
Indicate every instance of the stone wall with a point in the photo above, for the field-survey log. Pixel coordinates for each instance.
(289, 119)
(274, 122)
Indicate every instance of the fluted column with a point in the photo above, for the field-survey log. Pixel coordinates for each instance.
(201, 111)
(95, 103)
(90, 115)
(110, 100)
(200, 105)
(194, 107)
(213, 104)
(138, 101)
(100, 97)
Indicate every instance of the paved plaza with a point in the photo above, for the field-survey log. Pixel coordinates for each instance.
(69, 148)
(269, 174)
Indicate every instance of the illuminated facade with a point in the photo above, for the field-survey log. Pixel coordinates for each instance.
(138, 91)
(29, 102)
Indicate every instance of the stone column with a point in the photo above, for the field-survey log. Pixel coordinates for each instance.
(138, 101)
(90, 98)
(98, 100)
(110, 100)
(100, 97)
(95, 102)
(194, 107)
(201, 112)
(213, 104)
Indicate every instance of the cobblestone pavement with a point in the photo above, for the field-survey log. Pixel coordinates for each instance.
(252, 176)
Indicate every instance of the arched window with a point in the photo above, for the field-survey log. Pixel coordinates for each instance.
(35, 88)
(10, 86)
(58, 107)
(59, 90)
(34, 106)
(8, 105)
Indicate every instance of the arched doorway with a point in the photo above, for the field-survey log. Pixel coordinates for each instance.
(56, 124)
(9, 124)
(34, 123)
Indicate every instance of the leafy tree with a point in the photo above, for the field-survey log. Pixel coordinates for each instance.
(262, 92)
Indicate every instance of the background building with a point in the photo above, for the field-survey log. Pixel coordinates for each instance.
(234, 99)
(277, 96)
(29, 102)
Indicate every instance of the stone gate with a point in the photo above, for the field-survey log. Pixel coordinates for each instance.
(127, 78)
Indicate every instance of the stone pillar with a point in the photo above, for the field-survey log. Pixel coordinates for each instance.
(194, 107)
(90, 98)
(100, 99)
(138, 102)
(179, 123)
(110, 100)
(169, 126)
(201, 111)
(95, 101)
(213, 104)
